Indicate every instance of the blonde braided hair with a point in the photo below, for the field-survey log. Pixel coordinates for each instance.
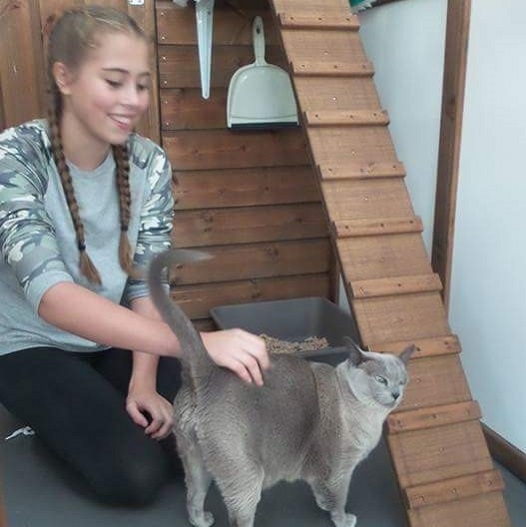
(72, 36)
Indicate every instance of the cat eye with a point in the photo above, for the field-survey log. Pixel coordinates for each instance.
(380, 379)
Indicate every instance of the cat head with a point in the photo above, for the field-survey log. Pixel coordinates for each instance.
(377, 378)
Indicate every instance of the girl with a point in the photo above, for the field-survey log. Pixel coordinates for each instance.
(77, 193)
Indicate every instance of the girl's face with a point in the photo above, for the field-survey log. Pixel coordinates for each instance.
(104, 99)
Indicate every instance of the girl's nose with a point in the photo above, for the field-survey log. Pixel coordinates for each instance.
(131, 96)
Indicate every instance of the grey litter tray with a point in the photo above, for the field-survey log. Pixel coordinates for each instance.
(293, 320)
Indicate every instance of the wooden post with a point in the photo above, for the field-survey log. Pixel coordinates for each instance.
(457, 36)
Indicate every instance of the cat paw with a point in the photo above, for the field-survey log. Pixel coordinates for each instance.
(205, 519)
(345, 520)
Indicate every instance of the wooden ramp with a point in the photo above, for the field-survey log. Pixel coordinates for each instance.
(446, 475)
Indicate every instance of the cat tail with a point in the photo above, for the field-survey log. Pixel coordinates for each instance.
(193, 350)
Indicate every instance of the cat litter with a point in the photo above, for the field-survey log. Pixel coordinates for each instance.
(275, 345)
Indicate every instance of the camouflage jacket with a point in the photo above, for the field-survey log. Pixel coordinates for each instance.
(37, 239)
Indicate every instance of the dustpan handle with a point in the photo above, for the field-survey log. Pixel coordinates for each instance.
(258, 34)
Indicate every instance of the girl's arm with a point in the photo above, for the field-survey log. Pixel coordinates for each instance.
(78, 310)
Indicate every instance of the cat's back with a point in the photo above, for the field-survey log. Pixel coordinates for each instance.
(275, 421)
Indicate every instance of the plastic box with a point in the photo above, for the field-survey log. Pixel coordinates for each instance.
(293, 320)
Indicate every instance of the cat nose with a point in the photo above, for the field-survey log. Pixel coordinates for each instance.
(396, 395)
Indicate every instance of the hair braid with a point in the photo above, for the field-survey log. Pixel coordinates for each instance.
(71, 37)
(87, 268)
(120, 153)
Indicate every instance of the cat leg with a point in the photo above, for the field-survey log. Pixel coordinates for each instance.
(242, 495)
(331, 496)
(198, 481)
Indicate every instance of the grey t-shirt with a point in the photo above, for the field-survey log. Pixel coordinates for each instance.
(37, 239)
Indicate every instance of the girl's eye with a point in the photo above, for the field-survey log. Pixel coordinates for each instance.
(143, 87)
(113, 84)
(381, 380)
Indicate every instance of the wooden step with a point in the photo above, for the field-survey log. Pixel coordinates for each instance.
(318, 21)
(430, 347)
(434, 454)
(433, 416)
(401, 285)
(343, 118)
(332, 69)
(361, 171)
(355, 228)
(453, 489)
(482, 510)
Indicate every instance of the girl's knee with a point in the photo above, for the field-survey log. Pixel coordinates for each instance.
(137, 484)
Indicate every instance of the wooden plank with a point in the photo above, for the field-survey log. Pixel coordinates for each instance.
(433, 416)
(299, 6)
(379, 227)
(457, 37)
(323, 46)
(248, 225)
(484, 510)
(435, 380)
(346, 118)
(178, 26)
(435, 454)
(245, 187)
(431, 347)
(362, 171)
(377, 257)
(22, 71)
(333, 145)
(505, 453)
(262, 260)
(362, 199)
(179, 65)
(401, 285)
(144, 15)
(453, 489)
(330, 93)
(400, 318)
(331, 68)
(185, 109)
(198, 300)
(220, 149)
(318, 20)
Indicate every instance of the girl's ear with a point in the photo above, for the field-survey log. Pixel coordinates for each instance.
(356, 354)
(406, 354)
(62, 77)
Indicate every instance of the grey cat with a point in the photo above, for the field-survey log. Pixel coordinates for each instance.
(309, 421)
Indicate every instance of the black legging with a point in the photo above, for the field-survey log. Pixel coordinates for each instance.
(75, 402)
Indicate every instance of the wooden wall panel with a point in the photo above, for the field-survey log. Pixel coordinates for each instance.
(251, 199)
(21, 62)
(198, 300)
(244, 187)
(212, 149)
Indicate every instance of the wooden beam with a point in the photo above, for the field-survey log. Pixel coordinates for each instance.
(505, 453)
(457, 36)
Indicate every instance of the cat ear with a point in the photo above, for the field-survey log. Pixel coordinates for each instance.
(356, 354)
(406, 354)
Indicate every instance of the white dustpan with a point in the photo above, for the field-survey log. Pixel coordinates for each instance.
(260, 95)
(204, 17)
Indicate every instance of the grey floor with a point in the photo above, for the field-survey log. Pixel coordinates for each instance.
(38, 492)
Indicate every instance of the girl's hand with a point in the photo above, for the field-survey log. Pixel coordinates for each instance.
(242, 352)
(141, 402)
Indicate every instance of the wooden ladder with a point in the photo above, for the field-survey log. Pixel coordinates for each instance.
(445, 472)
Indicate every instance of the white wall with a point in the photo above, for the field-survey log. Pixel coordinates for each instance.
(405, 41)
(488, 295)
